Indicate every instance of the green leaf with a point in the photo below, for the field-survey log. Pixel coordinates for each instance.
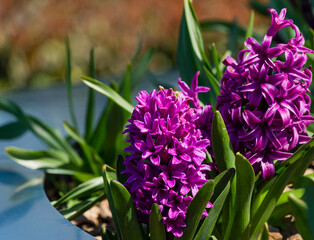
(9, 106)
(53, 139)
(213, 81)
(221, 190)
(309, 196)
(265, 233)
(126, 84)
(233, 37)
(90, 108)
(122, 178)
(283, 207)
(141, 67)
(109, 92)
(300, 210)
(69, 82)
(260, 7)
(311, 38)
(225, 159)
(138, 49)
(39, 159)
(269, 202)
(12, 130)
(216, 61)
(78, 174)
(109, 174)
(222, 147)
(94, 161)
(78, 209)
(195, 210)
(125, 212)
(156, 226)
(82, 190)
(191, 55)
(240, 213)
(249, 29)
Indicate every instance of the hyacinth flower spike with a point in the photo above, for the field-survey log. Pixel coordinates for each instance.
(264, 101)
(168, 136)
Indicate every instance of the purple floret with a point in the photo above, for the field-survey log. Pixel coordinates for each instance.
(264, 100)
(169, 133)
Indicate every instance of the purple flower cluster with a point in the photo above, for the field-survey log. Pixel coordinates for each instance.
(264, 101)
(168, 133)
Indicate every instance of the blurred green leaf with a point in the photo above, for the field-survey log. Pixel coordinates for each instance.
(195, 210)
(90, 108)
(265, 233)
(68, 79)
(109, 174)
(82, 190)
(9, 106)
(12, 130)
(309, 196)
(269, 202)
(125, 212)
(156, 226)
(39, 159)
(126, 84)
(138, 49)
(222, 147)
(109, 92)
(213, 81)
(94, 161)
(225, 159)
(122, 178)
(78, 174)
(141, 67)
(216, 61)
(191, 55)
(53, 139)
(249, 30)
(221, 190)
(81, 207)
(300, 210)
(260, 7)
(240, 213)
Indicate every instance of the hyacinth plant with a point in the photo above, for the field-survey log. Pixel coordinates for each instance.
(265, 104)
(198, 164)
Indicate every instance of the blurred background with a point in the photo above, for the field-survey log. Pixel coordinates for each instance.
(33, 32)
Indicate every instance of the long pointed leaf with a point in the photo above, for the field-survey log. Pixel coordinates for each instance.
(109, 92)
(225, 159)
(222, 187)
(270, 200)
(89, 118)
(156, 226)
(12, 130)
(240, 214)
(68, 79)
(191, 55)
(195, 210)
(126, 215)
(300, 210)
(94, 161)
(109, 174)
(249, 29)
(84, 189)
(39, 159)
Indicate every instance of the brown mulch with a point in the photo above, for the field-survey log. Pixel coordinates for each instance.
(95, 218)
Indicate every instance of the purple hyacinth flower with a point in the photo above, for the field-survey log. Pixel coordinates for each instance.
(264, 100)
(169, 134)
